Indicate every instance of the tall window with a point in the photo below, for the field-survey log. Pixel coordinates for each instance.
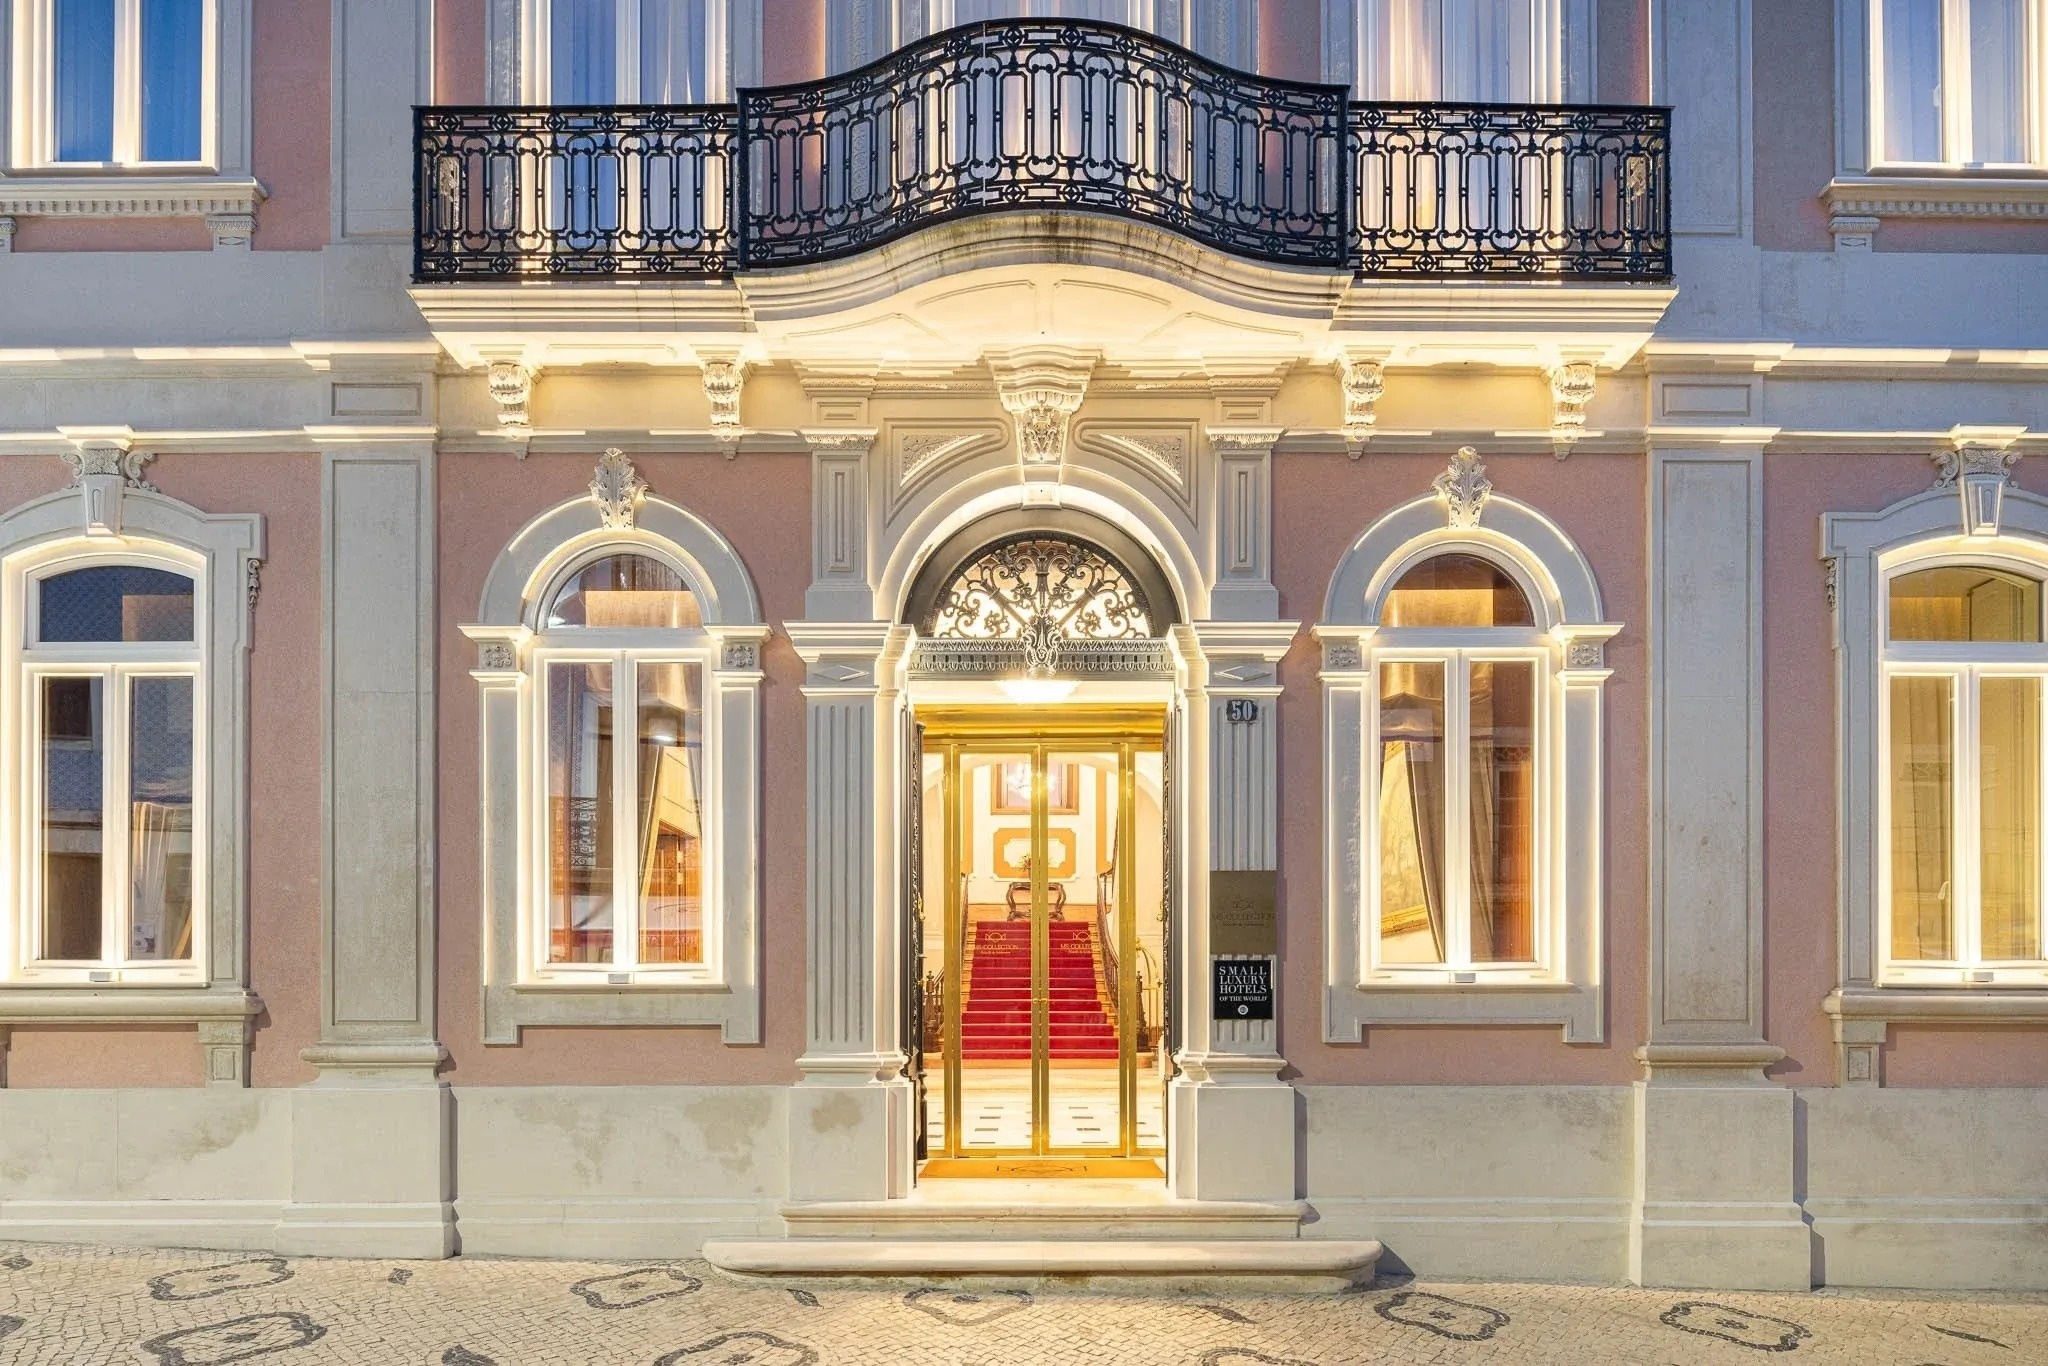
(1958, 82)
(1460, 51)
(118, 82)
(1963, 669)
(631, 51)
(1454, 741)
(621, 664)
(947, 13)
(110, 775)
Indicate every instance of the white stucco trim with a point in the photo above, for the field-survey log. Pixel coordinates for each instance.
(1862, 550)
(219, 552)
(1567, 989)
(727, 651)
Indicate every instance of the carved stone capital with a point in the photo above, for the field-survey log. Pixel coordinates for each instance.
(1041, 388)
(1464, 488)
(1977, 463)
(1571, 389)
(1245, 441)
(724, 378)
(511, 385)
(1364, 381)
(840, 441)
(104, 465)
(231, 231)
(617, 489)
(6, 234)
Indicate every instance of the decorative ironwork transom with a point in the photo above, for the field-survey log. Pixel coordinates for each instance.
(1041, 595)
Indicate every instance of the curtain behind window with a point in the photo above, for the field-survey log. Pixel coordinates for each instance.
(84, 79)
(173, 50)
(1460, 51)
(975, 11)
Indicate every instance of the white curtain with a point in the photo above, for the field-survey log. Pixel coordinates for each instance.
(945, 13)
(630, 51)
(1911, 45)
(1460, 51)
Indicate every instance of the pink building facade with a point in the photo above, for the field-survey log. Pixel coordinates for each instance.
(1457, 588)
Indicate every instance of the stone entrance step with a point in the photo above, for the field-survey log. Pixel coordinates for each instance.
(1281, 1265)
(1026, 1210)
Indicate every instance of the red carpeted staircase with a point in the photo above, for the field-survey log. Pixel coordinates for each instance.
(995, 1020)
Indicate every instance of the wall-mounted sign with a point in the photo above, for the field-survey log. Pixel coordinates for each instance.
(1242, 912)
(1240, 711)
(1243, 988)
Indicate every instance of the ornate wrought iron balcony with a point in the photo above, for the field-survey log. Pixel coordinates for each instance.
(1045, 115)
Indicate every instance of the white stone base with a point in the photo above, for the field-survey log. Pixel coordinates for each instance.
(1234, 1141)
(1714, 1203)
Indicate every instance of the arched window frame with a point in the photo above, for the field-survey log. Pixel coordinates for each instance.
(514, 649)
(115, 520)
(2008, 529)
(1563, 985)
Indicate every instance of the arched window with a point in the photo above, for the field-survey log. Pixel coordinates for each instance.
(620, 671)
(1454, 764)
(112, 679)
(1463, 669)
(1963, 669)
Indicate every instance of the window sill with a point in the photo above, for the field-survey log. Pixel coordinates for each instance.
(1858, 205)
(1574, 1007)
(227, 203)
(1863, 1014)
(640, 1005)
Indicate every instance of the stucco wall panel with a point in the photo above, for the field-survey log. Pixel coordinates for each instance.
(1321, 505)
(756, 501)
(102, 1055)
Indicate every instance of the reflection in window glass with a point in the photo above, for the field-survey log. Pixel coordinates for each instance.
(114, 603)
(83, 79)
(583, 50)
(72, 822)
(171, 66)
(671, 821)
(160, 818)
(2009, 813)
(1998, 80)
(579, 758)
(1503, 792)
(1965, 603)
(632, 591)
(1411, 812)
(1922, 810)
(1457, 590)
(1911, 64)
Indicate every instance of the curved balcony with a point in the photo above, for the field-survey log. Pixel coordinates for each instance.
(1044, 115)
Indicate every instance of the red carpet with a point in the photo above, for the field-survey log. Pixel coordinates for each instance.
(995, 1021)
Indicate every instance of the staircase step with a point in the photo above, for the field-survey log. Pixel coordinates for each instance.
(1297, 1265)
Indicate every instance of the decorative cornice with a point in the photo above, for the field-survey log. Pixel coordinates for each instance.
(35, 196)
(1464, 488)
(617, 489)
(1945, 196)
(1245, 440)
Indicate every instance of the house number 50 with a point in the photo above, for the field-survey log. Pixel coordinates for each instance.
(1240, 711)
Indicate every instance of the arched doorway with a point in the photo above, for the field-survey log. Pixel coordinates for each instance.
(1039, 851)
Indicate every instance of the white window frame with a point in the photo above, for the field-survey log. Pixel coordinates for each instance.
(520, 988)
(219, 187)
(1863, 550)
(1457, 651)
(1564, 986)
(106, 520)
(1352, 46)
(117, 665)
(626, 651)
(36, 79)
(732, 33)
(1957, 131)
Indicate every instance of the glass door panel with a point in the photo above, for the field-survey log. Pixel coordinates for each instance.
(1147, 975)
(1085, 923)
(994, 1095)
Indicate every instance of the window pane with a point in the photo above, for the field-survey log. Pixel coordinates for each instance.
(1912, 80)
(160, 818)
(172, 52)
(1457, 590)
(73, 818)
(1922, 791)
(2009, 805)
(1411, 813)
(671, 822)
(625, 590)
(675, 63)
(1965, 603)
(1503, 811)
(83, 54)
(583, 51)
(579, 898)
(1998, 80)
(115, 602)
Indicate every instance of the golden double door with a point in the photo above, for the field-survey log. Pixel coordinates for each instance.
(1043, 944)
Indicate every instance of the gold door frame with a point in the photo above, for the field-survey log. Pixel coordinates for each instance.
(954, 732)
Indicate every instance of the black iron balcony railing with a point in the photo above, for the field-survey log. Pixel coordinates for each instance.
(1045, 115)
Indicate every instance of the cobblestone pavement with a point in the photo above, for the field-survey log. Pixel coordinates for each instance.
(69, 1306)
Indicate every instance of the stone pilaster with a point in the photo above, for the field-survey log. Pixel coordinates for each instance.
(850, 1116)
(1714, 1197)
(839, 588)
(1244, 588)
(1233, 1116)
(378, 1053)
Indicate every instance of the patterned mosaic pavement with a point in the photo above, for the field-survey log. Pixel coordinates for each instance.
(69, 1306)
